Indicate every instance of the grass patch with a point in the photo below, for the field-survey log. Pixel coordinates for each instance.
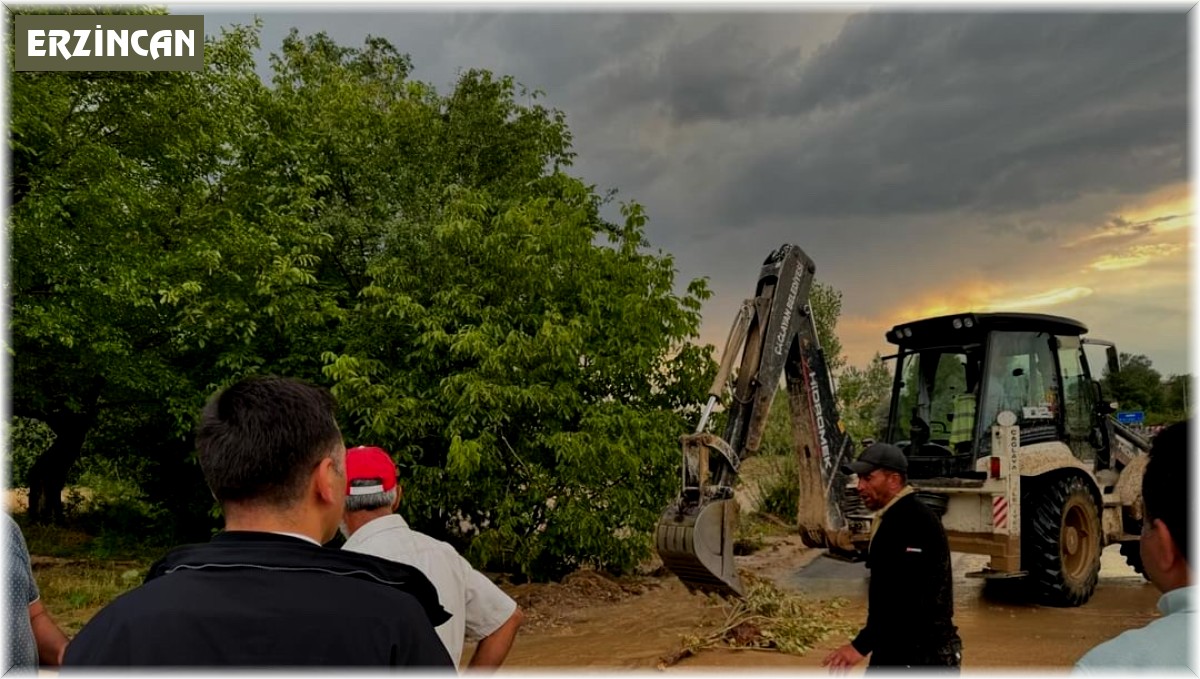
(74, 591)
(55, 541)
(74, 541)
(78, 574)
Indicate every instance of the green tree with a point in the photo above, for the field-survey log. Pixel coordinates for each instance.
(1138, 386)
(529, 379)
(826, 303)
(864, 394)
(139, 273)
(532, 384)
(1177, 397)
(528, 363)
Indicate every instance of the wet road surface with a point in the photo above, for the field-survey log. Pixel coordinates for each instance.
(998, 631)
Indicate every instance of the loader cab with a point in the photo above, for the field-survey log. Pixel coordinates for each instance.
(955, 373)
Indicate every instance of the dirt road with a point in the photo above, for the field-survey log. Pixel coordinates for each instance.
(607, 626)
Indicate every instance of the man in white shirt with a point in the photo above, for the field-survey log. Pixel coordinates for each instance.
(1165, 644)
(477, 606)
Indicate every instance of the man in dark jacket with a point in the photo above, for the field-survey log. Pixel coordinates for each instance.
(265, 592)
(909, 599)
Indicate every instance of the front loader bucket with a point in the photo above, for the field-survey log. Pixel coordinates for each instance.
(696, 544)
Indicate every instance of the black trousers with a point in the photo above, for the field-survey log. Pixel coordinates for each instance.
(946, 658)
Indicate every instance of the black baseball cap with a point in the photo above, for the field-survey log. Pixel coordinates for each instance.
(879, 456)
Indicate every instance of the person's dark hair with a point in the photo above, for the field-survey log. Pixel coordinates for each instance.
(259, 439)
(1165, 484)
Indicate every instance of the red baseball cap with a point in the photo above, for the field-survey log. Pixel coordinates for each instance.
(368, 463)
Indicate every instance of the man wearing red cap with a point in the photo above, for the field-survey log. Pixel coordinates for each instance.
(477, 605)
(264, 592)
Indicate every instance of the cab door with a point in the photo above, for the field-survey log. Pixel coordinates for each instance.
(1078, 398)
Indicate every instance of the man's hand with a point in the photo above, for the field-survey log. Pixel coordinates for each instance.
(842, 659)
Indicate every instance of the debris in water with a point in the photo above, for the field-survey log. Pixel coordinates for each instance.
(768, 618)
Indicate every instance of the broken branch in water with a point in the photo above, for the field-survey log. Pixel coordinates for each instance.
(768, 618)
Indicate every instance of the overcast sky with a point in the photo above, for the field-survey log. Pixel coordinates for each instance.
(929, 163)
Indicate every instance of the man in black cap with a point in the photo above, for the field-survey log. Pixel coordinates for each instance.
(909, 602)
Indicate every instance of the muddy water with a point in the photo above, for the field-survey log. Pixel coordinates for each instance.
(997, 630)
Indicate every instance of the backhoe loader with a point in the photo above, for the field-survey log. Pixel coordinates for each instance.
(1007, 434)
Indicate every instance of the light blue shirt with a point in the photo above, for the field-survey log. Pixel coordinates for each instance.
(22, 653)
(1163, 645)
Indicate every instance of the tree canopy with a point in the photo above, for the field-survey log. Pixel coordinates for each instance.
(427, 256)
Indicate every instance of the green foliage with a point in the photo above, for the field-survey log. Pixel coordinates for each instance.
(1176, 398)
(864, 395)
(109, 503)
(1138, 386)
(528, 378)
(826, 303)
(770, 618)
(777, 491)
(527, 362)
(151, 257)
(777, 436)
(25, 440)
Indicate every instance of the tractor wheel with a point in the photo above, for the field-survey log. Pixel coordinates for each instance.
(1132, 551)
(1061, 541)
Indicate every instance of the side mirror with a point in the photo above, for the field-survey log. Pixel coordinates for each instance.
(1114, 361)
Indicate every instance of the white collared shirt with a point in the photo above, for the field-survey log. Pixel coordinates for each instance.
(477, 606)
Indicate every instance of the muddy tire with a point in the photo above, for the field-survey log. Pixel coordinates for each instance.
(1133, 556)
(1060, 546)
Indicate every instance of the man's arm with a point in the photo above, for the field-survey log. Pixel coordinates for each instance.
(51, 642)
(492, 616)
(493, 649)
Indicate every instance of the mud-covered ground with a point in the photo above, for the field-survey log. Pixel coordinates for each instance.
(595, 623)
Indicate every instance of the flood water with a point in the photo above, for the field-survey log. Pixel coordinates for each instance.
(997, 630)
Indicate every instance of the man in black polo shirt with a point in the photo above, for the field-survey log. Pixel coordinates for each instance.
(265, 592)
(909, 602)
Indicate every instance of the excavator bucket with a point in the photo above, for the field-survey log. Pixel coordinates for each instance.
(775, 335)
(696, 544)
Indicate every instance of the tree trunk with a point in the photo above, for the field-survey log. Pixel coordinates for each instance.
(48, 475)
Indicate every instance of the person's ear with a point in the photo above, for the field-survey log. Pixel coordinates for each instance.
(399, 494)
(326, 480)
(1163, 548)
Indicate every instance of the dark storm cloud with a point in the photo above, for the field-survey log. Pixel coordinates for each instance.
(896, 114)
(720, 74)
(555, 51)
(928, 113)
(878, 142)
